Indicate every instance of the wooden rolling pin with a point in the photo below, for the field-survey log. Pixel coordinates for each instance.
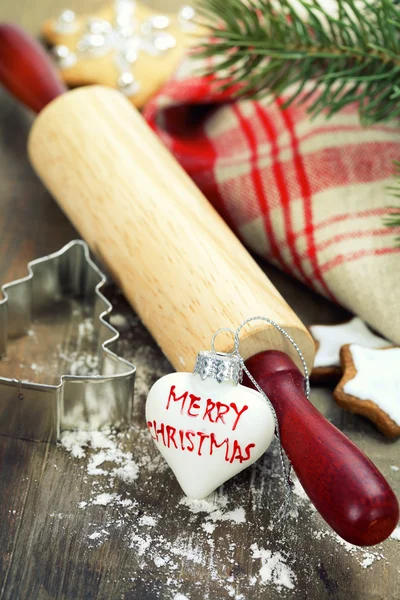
(184, 271)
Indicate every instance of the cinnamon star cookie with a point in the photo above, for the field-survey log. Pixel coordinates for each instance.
(330, 338)
(370, 385)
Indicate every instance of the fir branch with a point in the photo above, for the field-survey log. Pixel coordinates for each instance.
(269, 46)
(392, 219)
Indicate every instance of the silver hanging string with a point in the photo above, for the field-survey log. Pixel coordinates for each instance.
(286, 470)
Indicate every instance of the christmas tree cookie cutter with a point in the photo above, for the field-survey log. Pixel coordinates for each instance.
(38, 411)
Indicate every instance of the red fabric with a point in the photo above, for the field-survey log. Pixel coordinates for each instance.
(308, 195)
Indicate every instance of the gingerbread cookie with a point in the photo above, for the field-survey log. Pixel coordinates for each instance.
(124, 44)
(330, 338)
(370, 385)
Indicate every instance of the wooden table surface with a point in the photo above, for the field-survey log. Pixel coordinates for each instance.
(47, 547)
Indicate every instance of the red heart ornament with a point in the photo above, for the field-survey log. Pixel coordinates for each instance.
(207, 431)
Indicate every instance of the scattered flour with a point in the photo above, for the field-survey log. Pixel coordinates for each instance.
(209, 527)
(128, 495)
(298, 490)
(215, 508)
(274, 568)
(77, 442)
(119, 321)
(141, 543)
(104, 499)
(125, 502)
(128, 472)
(346, 545)
(369, 559)
(115, 474)
(396, 534)
(160, 562)
(147, 520)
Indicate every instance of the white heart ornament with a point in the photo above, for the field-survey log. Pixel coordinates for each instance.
(207, 431)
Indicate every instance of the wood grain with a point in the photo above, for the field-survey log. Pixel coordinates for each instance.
(178, 263)
(45, 557)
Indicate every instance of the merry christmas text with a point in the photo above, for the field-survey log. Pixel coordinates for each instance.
(198, 441)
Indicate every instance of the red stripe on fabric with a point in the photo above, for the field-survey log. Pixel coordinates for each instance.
(306, 193)
(321, 131)
(324, 156)
(372, 212)
(336, 167)
(356, 129)
(331, 169)
(284, 199)
(258, 184)
(350, 235)
(353, 256)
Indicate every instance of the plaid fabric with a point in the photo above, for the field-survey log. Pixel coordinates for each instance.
(307, 195)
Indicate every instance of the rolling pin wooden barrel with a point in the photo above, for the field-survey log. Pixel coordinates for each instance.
(184, 271)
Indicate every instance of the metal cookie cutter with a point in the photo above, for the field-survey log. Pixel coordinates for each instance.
(40, 412)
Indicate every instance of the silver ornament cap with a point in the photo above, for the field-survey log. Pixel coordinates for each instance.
(219, 365)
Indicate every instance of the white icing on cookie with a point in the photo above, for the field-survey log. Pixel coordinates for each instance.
(332, 337)
(377, 378)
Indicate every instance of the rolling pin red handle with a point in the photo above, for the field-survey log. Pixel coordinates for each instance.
(344, 485)
(25, 69)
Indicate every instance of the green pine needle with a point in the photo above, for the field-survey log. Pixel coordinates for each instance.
(392, 219)
(267, 47)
